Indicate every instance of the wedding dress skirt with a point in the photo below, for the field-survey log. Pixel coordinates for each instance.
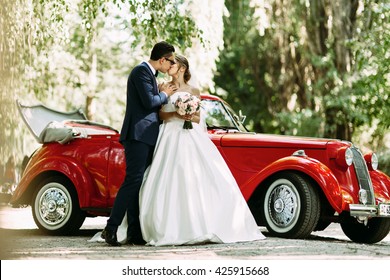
(189, 195)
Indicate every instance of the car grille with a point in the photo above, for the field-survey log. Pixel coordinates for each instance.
(362, 174)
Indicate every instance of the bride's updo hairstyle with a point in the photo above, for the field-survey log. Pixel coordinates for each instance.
(184, 62)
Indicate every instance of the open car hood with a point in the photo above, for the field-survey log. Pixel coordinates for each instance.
(49, 125)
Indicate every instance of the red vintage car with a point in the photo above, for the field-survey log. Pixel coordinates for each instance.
(293, 185)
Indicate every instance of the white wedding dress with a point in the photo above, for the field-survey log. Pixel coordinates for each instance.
(189, 195)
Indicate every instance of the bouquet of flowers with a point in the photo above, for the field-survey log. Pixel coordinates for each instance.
(187, 104)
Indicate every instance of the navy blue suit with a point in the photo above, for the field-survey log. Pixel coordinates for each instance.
(138, 136)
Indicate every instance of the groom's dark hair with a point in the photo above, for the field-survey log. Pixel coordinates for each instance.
(161, 49)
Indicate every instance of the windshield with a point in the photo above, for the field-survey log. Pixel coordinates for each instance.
(220, 115)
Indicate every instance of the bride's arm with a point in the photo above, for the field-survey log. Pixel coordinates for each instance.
(196, 116)
(167, 115)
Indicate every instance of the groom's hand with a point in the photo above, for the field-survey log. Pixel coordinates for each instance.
(169, 89)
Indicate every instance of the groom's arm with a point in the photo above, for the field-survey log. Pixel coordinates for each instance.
(147, 88)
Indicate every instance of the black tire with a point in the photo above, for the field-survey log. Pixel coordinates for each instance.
(291, 206)
(375, 230)
(55, 207)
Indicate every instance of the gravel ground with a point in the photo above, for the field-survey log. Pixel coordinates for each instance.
(21, 240)
(26, 253)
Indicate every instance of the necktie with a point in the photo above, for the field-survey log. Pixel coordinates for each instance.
(156, 74)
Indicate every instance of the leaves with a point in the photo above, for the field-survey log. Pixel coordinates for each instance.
(315, 68)
(66, 53)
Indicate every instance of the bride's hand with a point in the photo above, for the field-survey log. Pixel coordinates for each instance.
(188, 117)
(167, 88)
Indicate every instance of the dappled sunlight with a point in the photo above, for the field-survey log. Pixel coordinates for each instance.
(20, 239)
(16, 218)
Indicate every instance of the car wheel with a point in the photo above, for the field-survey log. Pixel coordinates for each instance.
(375, 230)
(291, 206)
(55, 207)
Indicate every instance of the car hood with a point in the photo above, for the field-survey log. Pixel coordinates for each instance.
(49, 125)
(238, 139)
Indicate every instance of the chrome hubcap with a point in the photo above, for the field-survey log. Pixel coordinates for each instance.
(54, 206)
(282, 205)
(279, 205)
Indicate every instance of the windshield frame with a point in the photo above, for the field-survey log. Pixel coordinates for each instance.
(229, 114)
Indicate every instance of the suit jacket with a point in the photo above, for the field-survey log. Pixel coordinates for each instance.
(144, 101)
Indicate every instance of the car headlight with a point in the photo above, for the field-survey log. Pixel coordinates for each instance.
(371, 161)
(348, 156)
(344, 157)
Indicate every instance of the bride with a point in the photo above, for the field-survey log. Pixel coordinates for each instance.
(189, 195)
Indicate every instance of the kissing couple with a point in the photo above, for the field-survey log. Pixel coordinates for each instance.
(178, 190)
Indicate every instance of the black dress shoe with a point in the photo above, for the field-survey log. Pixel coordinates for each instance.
(110, 237)
(135, 241)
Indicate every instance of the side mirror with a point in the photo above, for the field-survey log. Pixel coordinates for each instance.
(241, 117)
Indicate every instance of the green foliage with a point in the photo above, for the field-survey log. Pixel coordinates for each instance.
(161, 19)
(305, 122)
(314, 68)
(370, 81)
(12, 47)
(62, 53)
(384, 161)
(241, 67)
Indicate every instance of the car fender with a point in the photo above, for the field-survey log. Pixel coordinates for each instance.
(304, 164)
(381, 185)
(76, 173)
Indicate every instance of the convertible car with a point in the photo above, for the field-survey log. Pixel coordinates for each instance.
(293, 185)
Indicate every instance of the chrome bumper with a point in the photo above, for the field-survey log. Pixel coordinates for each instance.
(360, 210)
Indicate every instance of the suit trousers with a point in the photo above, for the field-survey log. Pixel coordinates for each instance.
(138, 157)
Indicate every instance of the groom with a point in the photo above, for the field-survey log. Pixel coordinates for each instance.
(138, 137)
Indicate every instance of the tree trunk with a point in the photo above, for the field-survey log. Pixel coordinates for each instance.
(338, 124)
(90, 101)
